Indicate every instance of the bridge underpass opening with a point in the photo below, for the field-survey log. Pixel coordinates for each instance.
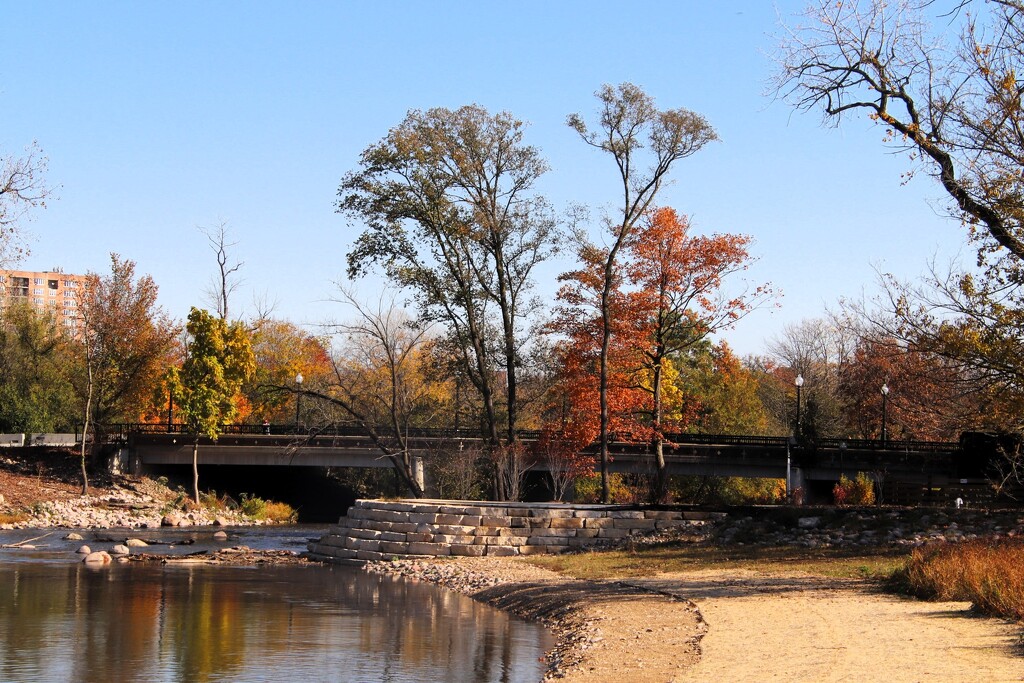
(320, 494)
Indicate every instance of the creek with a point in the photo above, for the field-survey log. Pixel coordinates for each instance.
(63, 620)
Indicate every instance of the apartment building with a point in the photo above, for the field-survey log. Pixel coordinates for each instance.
(51, 290)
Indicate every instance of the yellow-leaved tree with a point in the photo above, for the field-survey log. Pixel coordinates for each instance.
(219, 359)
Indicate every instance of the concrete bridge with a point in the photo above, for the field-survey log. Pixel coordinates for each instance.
(803, 464)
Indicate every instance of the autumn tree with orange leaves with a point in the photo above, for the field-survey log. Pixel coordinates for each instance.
(644, 143)
(669, 298)
(678, 301)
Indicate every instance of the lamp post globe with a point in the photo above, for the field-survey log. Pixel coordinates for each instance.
(298, 399)
(885, 398)
(799, 382)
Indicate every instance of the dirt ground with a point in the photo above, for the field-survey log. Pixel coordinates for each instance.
(740, 625)
(37, 475)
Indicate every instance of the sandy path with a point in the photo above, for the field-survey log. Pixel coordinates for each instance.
(795, 627)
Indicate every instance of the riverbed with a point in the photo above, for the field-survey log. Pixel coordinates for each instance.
(63, 620)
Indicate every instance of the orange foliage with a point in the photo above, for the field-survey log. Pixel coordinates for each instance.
(673, 301)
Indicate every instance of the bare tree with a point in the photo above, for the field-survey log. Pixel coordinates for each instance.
(226, 281)
(818, 350)
(379, 381)
(22, 188)
(628, 123)
(956, 106)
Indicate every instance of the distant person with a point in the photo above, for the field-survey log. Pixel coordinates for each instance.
(266, 426)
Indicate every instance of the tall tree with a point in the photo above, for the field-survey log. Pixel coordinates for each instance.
(679, 300)
(928, 397)
(219, 359)
(448, 200)
(628, 123)
(817, 350)
(22, 188)
(126, 341)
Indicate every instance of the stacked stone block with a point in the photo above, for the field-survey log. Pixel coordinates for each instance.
(380, 530)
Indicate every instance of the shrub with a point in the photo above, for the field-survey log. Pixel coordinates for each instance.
(253, 506)
(588, 489)
(269, 510)
(280, 512)
(988, 575)
(858, 491)
(211, 501)
(710, 490)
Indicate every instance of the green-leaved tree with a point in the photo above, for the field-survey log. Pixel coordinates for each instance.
(219, 359)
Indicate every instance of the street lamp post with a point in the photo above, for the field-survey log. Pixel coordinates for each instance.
(790, 442)
(298, 399)
(885, 398)
(799, 382)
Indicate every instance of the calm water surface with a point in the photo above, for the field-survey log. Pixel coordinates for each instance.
(63, 621)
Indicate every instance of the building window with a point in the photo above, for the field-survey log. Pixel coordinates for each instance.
(38, 301)
(19, 286)
(38, 291)
(52, 284)
(37, 281)
(70, 283)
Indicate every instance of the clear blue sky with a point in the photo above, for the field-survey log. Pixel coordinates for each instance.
(161, 117)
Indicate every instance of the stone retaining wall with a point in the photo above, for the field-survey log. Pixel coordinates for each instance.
(378, 530)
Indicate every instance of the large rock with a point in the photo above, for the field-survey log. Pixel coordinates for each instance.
(136, 543)
(120, 549)
(98, 557)
(84, 550)
(171, 519)
(73, 537)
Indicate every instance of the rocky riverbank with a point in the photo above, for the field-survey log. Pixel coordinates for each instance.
(830, 527)
(43, 490)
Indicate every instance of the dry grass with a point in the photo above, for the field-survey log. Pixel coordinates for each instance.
(858, 562)
(990, 575)
(13, 517)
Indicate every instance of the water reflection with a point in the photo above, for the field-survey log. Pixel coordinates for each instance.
(137, 622)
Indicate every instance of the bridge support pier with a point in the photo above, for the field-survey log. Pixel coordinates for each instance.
(798, 486)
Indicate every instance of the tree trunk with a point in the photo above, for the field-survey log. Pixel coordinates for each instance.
(661, 481)
(195, 470)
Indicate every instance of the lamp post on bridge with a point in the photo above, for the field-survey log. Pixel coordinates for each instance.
(298, 399)
(799, 382)
(885, 398)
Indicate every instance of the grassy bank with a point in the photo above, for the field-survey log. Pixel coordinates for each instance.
(646, 560)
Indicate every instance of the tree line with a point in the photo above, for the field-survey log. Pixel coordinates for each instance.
(448, 210)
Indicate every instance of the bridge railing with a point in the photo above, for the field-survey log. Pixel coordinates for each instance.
(120, 432)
